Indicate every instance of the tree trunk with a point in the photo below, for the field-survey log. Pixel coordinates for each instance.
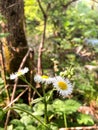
(15, 45)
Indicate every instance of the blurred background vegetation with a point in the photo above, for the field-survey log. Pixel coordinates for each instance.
(70, 45)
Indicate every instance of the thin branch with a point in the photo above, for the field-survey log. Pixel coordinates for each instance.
(95, 127)
(8, 114)
(16, 99)
(43, 12)
(11, 85)
(15, 86)
(16, 80)
(7, 119)
(95, 1)
(13, 5)
(24, 59)
(32, 71)
(39, 64)
(69, 3)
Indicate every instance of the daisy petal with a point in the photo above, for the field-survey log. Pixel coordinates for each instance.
(19, 73)
(63, 86)
(43, 79)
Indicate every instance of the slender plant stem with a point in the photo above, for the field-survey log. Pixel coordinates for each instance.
(30, 115)
(45, 105)
(34, 88)
(50, 95)
(65, 120)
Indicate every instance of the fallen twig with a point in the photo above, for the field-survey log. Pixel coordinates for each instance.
(95, 127)
(15, 86)
(16, 99)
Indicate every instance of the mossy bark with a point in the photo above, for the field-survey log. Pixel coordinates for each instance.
(15, 45)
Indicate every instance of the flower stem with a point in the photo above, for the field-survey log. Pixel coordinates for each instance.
(30, 115)
(45, 105)
(65, 120)
(24, 79)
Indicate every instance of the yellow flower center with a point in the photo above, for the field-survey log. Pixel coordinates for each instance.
(45, 77)
(62, 85)
(19, 73)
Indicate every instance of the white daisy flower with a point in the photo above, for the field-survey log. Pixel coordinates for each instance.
(43, 79)
(63, 86)
(19, 73)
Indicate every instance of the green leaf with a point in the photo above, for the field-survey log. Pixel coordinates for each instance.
(71, 106)
(53, 126)
(3, 35)
(68, 106)
(19, 128)
(38, 109)
(10, 127)
(78, 40)
(30, 127)
(85, 119)
(1, 114)
(1, 82)
(37, 100)
(27, 120)
(23, 106)
(17, 122)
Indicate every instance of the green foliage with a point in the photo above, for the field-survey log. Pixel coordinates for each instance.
(33, 17)
(84, 83)
(2, 114)
(62, 21)
(68, 106)
(24, 107)
(30, 127)
(2, 118)
(24, 123)
(1, 83)
(3, 35)
(58, 107)
(16, 122)
(26, 118)
(84, 119)
(38, 109)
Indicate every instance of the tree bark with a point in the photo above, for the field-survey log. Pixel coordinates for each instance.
(15, 46)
